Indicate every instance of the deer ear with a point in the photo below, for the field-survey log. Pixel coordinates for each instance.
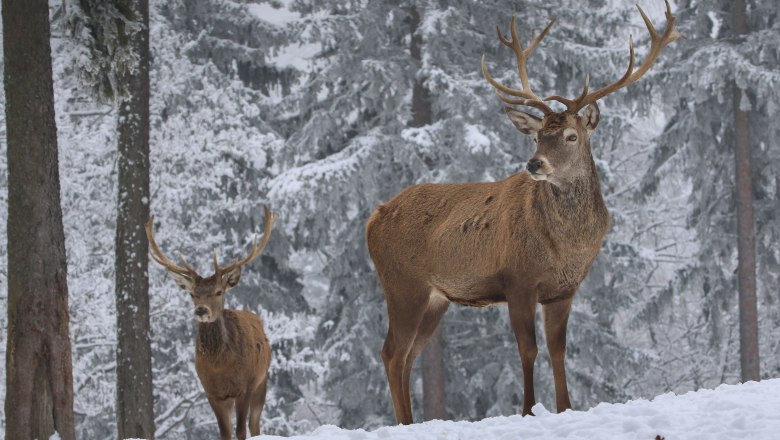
(232, 277)
(590, 120)
(183, 281)
(525, 122)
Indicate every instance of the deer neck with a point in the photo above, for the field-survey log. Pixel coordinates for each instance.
(574, 209)
(211, 338)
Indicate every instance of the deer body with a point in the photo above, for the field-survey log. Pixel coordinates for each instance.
(528, 239)
(232, 352)
(475, 243)
(232, 355)
(525, 240)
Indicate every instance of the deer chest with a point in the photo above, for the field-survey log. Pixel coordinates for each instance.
(220, 379)
(563, 273)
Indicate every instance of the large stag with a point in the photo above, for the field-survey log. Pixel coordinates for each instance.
(530, 238)
(232, 352)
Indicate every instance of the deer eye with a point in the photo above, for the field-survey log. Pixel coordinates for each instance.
(572, 138)
(218, 293)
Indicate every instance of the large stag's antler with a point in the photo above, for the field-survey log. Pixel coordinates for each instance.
(159, 257)
(528, 97)
(657, 43)
(257, 248)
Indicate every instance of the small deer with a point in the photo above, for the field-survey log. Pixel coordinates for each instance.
(526, 240)
(232, 352)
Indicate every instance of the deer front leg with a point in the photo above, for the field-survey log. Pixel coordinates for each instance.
(242, 409)
(522, 314)
(221, 408)
(556, 315)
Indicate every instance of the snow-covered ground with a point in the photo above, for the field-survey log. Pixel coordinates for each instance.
(749, 411)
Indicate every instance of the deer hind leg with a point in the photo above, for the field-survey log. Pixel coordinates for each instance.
(256, 407)
(222, 409)
(405, 311)
(437, 306)
(522, 314)
(556, 315)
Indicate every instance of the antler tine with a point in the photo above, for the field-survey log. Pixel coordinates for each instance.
(521, 55)
(649, 24)
(501, 36)
(257, 248)
(158, 256)
(184, 263)
(657, 43)
(571, 104)
(526, 102)
(538, 39)
(503, 88)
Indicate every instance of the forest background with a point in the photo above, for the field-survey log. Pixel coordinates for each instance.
(307, 106)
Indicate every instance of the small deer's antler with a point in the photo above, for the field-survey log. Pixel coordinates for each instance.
(157, 255)
(257, 248)
(187, 270)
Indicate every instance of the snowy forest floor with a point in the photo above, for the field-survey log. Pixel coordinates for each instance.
(745, 411)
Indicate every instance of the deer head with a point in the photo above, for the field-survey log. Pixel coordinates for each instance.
(563, 138)
(208, 294)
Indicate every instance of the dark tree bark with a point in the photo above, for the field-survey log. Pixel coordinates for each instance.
(433, 353)
(135, 416)
(39, 381)
(746, 243)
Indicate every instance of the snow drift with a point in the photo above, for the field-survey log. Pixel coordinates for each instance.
(745, 411)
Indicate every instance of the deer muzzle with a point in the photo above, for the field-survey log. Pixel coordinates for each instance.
(538, 168)
(534, 165)
(202, 314)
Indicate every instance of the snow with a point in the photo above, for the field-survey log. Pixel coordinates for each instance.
(477, 142)
(278, 16)
(298, 56)
(716, 24)
(730, 412)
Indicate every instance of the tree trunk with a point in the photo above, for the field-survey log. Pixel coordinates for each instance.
(39, 381)
(432, 355)
(746, 245)
(135, 416)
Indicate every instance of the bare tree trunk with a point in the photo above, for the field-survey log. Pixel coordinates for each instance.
(39, 381)
(746, 244)
(135, 415)
(433, 353)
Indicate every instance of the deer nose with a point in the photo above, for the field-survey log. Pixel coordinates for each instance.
(200, 311)
(534, 165)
